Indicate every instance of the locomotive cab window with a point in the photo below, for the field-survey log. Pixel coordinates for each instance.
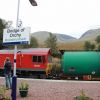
(38, 59)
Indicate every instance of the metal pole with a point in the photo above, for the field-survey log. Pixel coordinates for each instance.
(14, 79)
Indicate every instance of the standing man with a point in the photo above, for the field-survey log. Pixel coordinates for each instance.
(7, 73)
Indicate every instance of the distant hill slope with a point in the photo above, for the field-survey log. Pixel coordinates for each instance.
(90, 34)
(68, 42)
(41, 36)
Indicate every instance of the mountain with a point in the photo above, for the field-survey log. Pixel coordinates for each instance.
(41, 36)
(90, 34)
(66, 42)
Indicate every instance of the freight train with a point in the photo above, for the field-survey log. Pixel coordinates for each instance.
(81, 64)
(74, 65)
(29, 62)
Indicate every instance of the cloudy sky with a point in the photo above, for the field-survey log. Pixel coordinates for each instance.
(71, 17)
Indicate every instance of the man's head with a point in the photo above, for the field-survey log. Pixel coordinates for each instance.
(7, 59)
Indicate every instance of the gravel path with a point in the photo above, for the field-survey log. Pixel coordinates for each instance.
(57, 89)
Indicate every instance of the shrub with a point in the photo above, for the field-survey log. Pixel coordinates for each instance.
(2, 93)
(23, 86)
(82, 96)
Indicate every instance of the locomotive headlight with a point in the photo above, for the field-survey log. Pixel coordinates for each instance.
(93, 72)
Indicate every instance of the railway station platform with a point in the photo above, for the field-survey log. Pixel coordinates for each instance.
(40, 89)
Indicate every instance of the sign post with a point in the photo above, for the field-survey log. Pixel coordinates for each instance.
(14, 36)
(14, 79)
(17, 36)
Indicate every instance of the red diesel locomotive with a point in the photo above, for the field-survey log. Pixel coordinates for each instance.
(31, 61)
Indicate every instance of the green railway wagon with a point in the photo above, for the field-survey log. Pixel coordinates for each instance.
(81, 63)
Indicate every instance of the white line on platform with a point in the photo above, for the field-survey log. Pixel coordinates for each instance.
(50, 80)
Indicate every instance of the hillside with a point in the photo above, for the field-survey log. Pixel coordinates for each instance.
(41, 36)
(90, 34)
(68, 42)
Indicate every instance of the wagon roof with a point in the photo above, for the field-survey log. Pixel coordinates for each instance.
(28, 51)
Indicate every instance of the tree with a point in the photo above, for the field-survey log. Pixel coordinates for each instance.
(2, 26)
(98, 39)
(98, 47)
(98, 42)
(51, 42)
(89, 46)
(34, 42)
(92, 47)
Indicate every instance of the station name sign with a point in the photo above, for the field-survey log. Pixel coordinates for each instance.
(16, 36)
